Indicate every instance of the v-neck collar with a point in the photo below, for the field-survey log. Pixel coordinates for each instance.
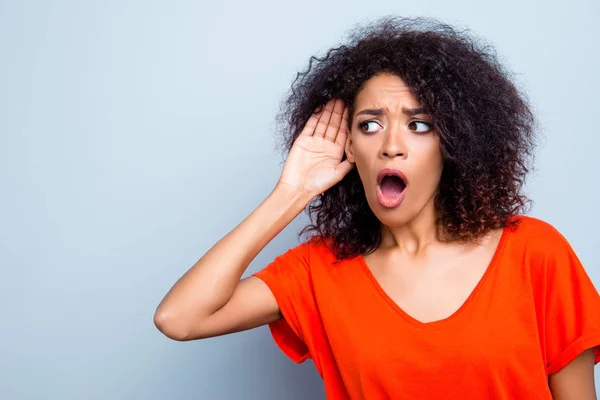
(470, 299)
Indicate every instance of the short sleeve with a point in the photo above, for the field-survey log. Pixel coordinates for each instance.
(288, 277)
(572, 306)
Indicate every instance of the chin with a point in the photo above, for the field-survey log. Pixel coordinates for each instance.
(394, 219)
(396, 216)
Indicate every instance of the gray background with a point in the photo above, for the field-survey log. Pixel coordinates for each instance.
(134, 135)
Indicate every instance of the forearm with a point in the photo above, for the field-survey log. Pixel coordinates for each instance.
(575, 381)
(210, 282)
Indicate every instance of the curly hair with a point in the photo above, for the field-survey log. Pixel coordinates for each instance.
(483, 120)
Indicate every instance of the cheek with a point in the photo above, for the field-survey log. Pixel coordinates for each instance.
(361, 167)
(357, 152)
(434, 152)
(431, 164)
(363, 161)
(363, 148)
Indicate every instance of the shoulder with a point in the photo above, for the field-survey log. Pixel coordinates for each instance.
(310, 252)
(319, 250)
(546, 251)
(538, 236)
(532, 226)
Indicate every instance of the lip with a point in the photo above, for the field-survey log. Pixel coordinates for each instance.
(390, 171)
(384, 200)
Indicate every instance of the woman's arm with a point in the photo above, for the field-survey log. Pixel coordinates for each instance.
(204, 289)
(209, 299)
(576, 380)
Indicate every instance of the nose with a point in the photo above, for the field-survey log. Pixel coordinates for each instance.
(393, 143)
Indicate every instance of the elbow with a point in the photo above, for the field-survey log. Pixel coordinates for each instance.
(167, 323)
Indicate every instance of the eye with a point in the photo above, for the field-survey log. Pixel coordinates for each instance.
(365, 125)
(419, 126)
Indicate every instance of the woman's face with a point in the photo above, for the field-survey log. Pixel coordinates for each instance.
(391, 136)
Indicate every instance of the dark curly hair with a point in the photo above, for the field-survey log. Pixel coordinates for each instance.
(485, 125)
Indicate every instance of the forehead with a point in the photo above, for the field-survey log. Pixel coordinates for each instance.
(385, 90)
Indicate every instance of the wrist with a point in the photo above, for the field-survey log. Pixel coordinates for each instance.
(292, 195)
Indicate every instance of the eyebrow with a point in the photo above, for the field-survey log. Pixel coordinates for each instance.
(379, 111)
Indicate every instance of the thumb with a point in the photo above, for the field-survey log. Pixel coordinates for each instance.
(342, 169)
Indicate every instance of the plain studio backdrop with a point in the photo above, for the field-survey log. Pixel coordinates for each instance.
(135, 134)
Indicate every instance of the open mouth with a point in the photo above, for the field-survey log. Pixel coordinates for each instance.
(391, 185)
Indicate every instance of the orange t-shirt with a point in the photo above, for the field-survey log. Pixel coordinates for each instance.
(534, 310)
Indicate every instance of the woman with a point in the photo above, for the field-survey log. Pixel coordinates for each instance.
(422, 278)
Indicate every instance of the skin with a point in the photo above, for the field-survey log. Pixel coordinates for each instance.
(428, 286)
(211, 299)
(576, 380)
(397, 139)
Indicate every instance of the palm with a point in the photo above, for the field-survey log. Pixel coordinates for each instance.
(314, 162)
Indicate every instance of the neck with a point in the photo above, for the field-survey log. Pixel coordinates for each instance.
(415, 236)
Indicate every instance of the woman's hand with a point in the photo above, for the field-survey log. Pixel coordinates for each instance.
(314, 163)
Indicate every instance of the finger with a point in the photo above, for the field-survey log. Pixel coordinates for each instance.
(340, 138)
(311, 124)
(335, 121)
(343, 169)
(324, 119)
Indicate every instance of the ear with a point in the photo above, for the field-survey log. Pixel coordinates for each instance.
(348, 148)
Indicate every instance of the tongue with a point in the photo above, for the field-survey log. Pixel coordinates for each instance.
(392, 186)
